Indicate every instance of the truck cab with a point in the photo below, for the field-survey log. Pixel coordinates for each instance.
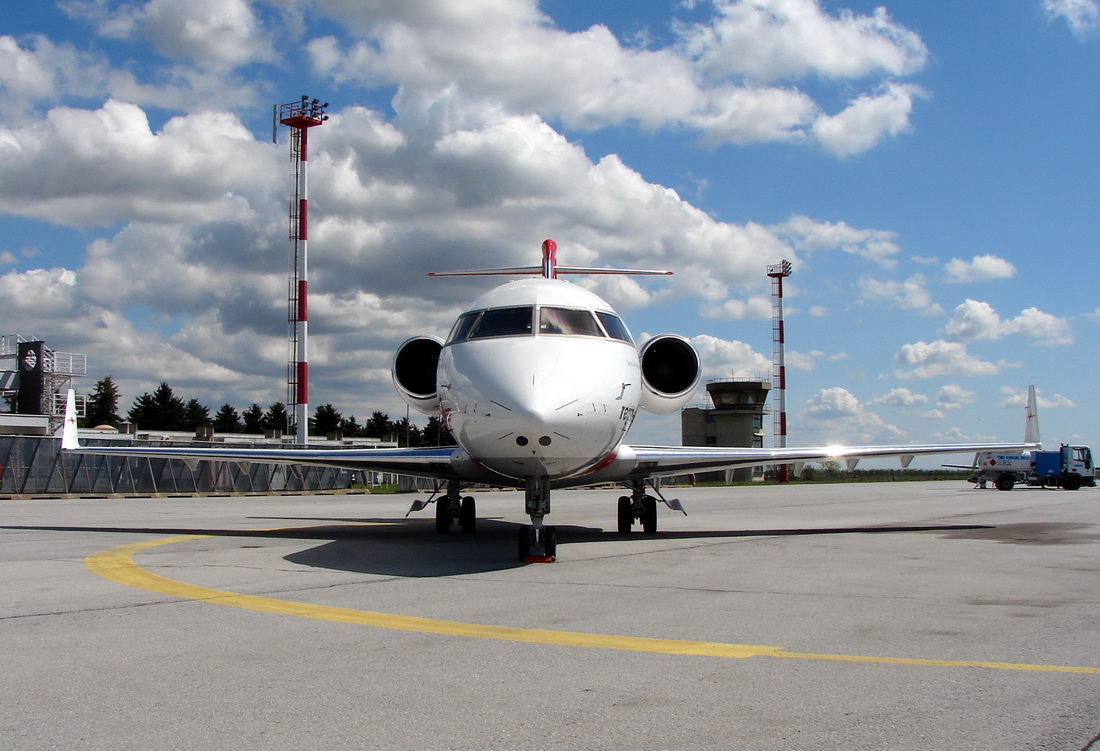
(1070, 467)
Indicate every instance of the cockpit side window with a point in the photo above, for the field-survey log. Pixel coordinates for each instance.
(614, 326)
(568, 321)
(463, 325)
(503, 322)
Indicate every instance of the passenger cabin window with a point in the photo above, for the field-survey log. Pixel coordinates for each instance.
(568, 321)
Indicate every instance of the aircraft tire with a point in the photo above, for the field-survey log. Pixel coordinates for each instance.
(443, 516)
(467, 517)
(649, 518)
(550, 541)
(626, 515)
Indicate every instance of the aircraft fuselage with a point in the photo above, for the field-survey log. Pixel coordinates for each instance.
(539, 378)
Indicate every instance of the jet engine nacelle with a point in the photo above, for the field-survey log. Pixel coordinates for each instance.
(414, 373)
(670, 373)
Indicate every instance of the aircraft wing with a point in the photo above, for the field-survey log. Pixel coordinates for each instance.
(641, 462)
(453, 463)
(441, 462)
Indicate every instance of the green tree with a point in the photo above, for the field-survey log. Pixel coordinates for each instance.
(253, 418)
(326, 420)
(276, 417)
(406, 433)
(379, 425)
(144, 412)
(436, 434)
(169, 409)
(227, 420)
(102, 405)
(195, 415)
(351, 427)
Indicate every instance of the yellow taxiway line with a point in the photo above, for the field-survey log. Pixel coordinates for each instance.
(117, 564)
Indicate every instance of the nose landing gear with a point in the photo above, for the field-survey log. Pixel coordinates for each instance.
(537, 543)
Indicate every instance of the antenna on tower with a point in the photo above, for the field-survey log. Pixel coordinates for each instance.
(299, 116)
(777, 272)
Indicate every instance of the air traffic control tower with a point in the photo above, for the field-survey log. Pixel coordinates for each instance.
(733, 417)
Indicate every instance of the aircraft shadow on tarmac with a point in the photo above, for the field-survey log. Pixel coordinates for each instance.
(411, 547)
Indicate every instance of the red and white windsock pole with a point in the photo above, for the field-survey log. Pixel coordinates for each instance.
(299, 116)
(777, 272)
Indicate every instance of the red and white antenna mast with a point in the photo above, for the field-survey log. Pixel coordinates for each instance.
(299, 116)
(779, 433)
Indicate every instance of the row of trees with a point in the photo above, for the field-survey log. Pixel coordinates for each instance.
(163, 410)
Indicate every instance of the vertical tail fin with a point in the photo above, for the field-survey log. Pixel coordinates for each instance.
(70, 438)
(1031, 425)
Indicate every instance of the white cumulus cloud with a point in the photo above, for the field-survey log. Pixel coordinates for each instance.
(941, 358)
(910, 294)
(901, 397)
(733, 78)
(1017, 398)
(835, 415)
(973, 320)
(1082, 16)
(979, 269)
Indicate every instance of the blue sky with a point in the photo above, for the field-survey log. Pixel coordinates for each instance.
(931, 172)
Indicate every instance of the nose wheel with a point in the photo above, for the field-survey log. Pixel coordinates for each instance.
(538, 544)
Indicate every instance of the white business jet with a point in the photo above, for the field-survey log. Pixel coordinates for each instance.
(539, 382)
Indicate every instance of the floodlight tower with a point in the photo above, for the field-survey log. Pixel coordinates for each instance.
(299, 116)
(779, 439)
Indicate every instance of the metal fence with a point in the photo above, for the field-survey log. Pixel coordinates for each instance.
(31, 465)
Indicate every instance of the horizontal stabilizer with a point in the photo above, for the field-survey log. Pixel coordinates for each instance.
(537, 271)
(549, 268)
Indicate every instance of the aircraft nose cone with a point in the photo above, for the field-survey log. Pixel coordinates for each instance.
(531, 409)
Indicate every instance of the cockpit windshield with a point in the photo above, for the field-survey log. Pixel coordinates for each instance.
(503, 322)
(517, 321)
(568, 321)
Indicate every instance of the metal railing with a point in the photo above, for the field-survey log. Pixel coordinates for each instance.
(31, 465)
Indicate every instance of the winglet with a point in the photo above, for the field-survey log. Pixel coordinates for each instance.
(1031, 425)
(70, 438)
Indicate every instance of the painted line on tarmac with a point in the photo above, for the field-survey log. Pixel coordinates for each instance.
(117, 564)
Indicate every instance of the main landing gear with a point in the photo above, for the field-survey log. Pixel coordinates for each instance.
(538, 543)
(452, 509)
(638, 506)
